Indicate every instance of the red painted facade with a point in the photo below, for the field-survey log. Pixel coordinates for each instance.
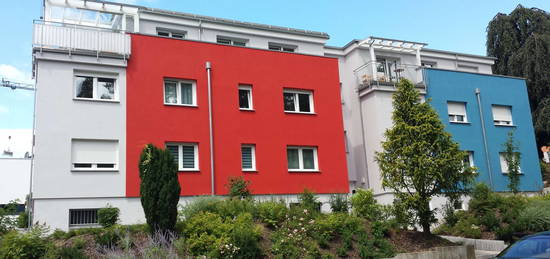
(268, 126)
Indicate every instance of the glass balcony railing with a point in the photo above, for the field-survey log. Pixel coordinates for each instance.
(387, 74)
(72, 38)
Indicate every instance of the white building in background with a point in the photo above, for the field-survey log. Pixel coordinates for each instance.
(15, 164)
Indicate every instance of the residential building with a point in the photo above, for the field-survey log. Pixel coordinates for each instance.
(227, 98)
(477, 108)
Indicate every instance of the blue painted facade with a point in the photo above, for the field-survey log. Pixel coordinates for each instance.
(445, 86)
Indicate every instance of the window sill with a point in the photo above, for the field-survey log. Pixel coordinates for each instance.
(305, 113)
(246, 110)
(520, 173)
(96, 100)
(182, 105)
(94, 170)
(460, 122)
(504, 125)
(189, 171)
(250, 171)
(303, 171)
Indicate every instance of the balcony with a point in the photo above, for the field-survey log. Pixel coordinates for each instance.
(386, 74)
(80, 39)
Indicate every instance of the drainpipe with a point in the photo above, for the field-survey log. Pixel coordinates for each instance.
(208, 73)
(487, 160)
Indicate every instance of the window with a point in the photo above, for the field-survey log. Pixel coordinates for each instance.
(95, 87)
(457, 112)
(171, 33)
(302, 159)
(469, 160)
(245, 97)
(504, 164)
(458, 205)
(428, 64)
(231, 41)
(82, 217)
(94, 155)
(466, 68)
(298, 101)
(248, 157)
(178, 92)
(281, 47)
(186, 155)
(502, 115)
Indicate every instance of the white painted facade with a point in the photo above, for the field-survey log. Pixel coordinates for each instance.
(60, 54)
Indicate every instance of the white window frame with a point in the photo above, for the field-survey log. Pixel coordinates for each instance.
(180, 155)
(253, 154)
(504, 165)
(96, 76)
(453, 117)
(171, 33)
(509, 123)
(471, 159)
(94, 165)
(250, 99)
(281, 47)
(301, 159)
(178, 92)
(297, 101)
(231, 41)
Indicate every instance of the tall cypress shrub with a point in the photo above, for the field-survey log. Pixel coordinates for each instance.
(159, 188)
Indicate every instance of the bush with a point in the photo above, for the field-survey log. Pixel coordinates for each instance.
(205, 233)
(309, 201)
(107, 216)
(29, 245)
(238, 187)
(201, 204)
(65, 252)
(232, 208)
(23, 220)
(449, 215)
(536, 217)
(159, 188)
(245, 236)
(490, 221)
(272, 213)
(339, 203)
(364, 205)
(467, 227)
(108, 238)
(7, 222)
(337, 224)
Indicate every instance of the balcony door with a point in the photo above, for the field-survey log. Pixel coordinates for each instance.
(386, 69)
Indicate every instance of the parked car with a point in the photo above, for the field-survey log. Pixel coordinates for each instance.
(533, 246)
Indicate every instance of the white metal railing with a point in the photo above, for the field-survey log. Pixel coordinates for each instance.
(72, 37)
(373, 73)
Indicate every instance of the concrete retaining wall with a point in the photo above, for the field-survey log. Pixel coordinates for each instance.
(447, 252)
(479, 244)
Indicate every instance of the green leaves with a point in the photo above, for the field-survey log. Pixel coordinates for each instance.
(512, 157)
(419, 159)
(521, 43)
(159, 188)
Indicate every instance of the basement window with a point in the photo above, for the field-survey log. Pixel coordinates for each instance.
(83, 217)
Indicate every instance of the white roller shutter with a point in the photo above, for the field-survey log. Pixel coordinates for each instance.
(94, 151)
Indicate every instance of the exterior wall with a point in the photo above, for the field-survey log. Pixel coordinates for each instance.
(444, 86)
(60, 118)
(209, 31)
(15, 174)
(55, 212)
(268, 126)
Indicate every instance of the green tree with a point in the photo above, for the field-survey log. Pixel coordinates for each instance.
(521, 43)
(159, 188)
(512, 157)
(419, 159)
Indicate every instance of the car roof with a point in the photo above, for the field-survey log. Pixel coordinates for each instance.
(540, 234)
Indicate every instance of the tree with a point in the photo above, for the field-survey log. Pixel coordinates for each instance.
(512, 157)
(159, 188)
(521, 43)
(419, 159)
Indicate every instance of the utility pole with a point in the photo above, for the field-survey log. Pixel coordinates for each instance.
(29, 87)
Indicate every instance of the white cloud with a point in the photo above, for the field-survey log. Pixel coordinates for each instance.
(3, 109)
(12, 73)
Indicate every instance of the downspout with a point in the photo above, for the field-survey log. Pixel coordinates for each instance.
(208, 73)
(364, 143)
(487, 160)
(30, 200)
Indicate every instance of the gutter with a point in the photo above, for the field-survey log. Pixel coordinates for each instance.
(487, 160)
(210, 128)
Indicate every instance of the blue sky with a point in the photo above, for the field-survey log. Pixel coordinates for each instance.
(457, 25)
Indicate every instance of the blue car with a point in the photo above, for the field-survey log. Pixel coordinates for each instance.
(533, 246)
